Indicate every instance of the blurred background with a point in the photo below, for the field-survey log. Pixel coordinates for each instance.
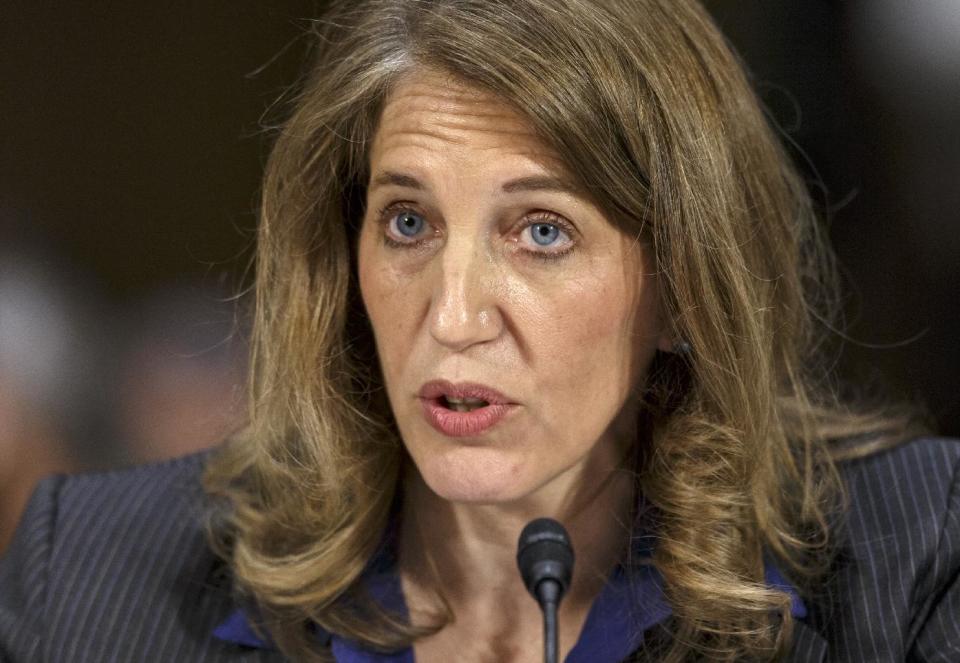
(130, 153)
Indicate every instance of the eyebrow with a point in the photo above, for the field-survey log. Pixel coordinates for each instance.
(531, 183)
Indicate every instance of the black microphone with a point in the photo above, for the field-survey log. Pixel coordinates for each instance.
(545, 558)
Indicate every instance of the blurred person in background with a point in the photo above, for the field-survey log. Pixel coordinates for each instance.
(180, 373)
(49, 379)
(86, 386)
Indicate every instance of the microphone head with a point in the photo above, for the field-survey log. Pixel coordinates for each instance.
(544, 552)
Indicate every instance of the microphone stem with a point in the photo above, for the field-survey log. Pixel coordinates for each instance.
(550, 632)
(548, 595)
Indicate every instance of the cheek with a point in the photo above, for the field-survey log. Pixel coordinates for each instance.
(591, 347)
(388, 300)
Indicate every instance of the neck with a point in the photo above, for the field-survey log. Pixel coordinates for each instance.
(467, 552)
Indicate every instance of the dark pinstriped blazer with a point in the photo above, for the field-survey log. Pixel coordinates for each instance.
(114, 567)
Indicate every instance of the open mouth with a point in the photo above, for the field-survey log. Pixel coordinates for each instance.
(462, 404)
(464, 409)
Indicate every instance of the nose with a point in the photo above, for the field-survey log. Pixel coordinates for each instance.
(465, 308)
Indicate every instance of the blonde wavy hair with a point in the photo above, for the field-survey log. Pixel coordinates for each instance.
(649, 108)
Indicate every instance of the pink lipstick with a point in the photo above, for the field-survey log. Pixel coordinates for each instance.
(463, 409)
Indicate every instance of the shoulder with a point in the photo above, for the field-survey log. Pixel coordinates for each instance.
(93, 528)
(110, 565)
(903, 492)
(898, 546)
(86, 509)
(922, 463)
(142, 504)
(902, 503)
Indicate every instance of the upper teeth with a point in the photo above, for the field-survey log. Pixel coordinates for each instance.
(465, 401)
(465, 404)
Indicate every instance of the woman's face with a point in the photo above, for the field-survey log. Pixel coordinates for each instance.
(513, 323)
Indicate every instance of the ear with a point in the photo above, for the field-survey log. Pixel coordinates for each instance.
(668, 338)
(666, 342)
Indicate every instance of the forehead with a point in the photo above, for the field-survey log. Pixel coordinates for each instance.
(428, 110)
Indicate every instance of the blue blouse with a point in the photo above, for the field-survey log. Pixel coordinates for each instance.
(627, 606)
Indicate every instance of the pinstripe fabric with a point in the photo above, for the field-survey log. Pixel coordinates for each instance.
(114, 567)
(895, 594)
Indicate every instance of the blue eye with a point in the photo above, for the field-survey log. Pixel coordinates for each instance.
(408, 224)
(548, 237)
(544, 234)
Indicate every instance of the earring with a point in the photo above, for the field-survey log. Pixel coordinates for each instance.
(681, 348)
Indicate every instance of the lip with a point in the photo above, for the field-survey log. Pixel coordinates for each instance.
(463, 424)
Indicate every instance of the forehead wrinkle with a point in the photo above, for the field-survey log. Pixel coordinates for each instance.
(398, 151)
(397, 157)
(450, 106)
(419, 129)
(428, 109)
(455, 126)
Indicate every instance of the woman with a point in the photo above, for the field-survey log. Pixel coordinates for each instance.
(518, 259)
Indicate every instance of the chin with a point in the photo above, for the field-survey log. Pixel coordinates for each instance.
(476, 476)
